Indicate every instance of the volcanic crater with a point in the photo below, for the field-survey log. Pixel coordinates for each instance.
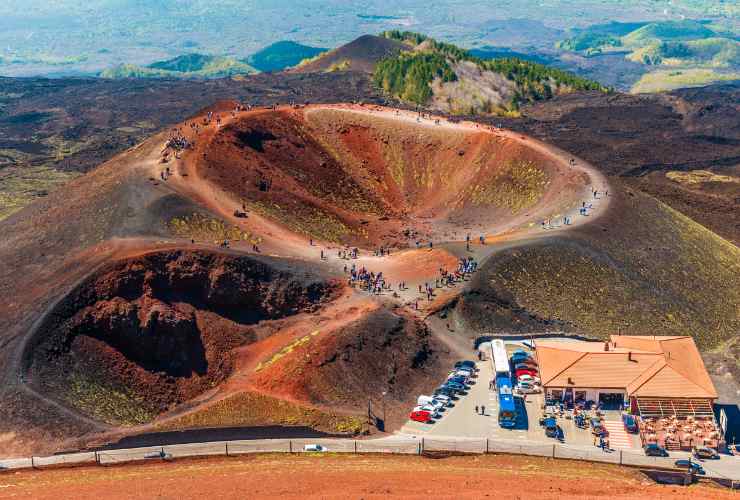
(362, 179)
(145, 334)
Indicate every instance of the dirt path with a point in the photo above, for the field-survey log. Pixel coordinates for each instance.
(279, 241)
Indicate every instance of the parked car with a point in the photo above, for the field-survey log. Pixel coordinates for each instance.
(520, 372)
(464, 373)
(705, 452)
(315, 447)
(529, 379)
(528, 388)
(519, 356)
(526, 363)
(458, 379)
(429, 400)
(445, 391)
(422, 416)
(690, 466)
(551, 427)
(465, 364)
(445, 400)
(653, 450)
(455, 386)
(433, 410)
(630, 423)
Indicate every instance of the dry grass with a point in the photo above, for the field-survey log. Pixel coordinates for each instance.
(694, 177)
(105, 403)
(644, 269)
(516, 186)
(252, 409)
(23, 184)
(202, 228)
(287, 350)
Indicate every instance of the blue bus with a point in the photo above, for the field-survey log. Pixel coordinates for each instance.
(506, 407)
(502, 378)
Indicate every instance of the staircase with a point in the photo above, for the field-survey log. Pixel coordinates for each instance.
(618, 437)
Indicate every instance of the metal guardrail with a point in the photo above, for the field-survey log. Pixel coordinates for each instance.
(396, 445)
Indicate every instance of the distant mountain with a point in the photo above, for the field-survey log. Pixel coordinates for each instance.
(185, 66)
(449, 78)
(673, 53)
(361, 54)
(282, 55)
(489, 52)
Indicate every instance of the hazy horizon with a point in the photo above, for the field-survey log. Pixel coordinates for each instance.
(84, 37)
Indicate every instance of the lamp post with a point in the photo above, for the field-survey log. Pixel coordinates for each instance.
(384, 393)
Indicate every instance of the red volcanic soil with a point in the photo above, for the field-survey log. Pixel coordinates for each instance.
(381, 351)
(116, 319)
(341, 476)
(360, 179)
(160, 329)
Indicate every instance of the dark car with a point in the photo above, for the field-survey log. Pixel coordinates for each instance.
(551, 427)
(630, 424)
(459, 379)
(705, 452)
(465, 364)
(653, 450)
(446, 391)
(455, 386)
(694, 468)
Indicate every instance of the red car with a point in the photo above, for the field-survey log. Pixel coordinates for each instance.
(422, 416)
(525, 371)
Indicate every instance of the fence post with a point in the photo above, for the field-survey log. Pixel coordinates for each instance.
(486, 445)
(422, 446)
(620, 456)
(355, 446)
(226, 444)
(97, 458)
(33, 465)
(290, 446)
(553, 450)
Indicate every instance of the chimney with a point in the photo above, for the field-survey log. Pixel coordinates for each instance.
(606, 346)
(570, 381)
(629, 356)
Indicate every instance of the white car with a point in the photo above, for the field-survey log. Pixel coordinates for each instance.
(529, 379)
(445, 400)
(433, 411)
(315, 447)
(430, 401)
(528, 388)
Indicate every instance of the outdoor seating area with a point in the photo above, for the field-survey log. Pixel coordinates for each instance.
(674, 433)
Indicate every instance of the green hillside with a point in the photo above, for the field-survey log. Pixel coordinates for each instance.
(461, 83)
(668, 30)
(282, 55)
(675, 53)
(711, 52)
(185, 66)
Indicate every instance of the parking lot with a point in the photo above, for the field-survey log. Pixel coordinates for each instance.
(462, 420)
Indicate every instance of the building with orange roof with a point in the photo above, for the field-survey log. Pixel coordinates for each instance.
(656, 375)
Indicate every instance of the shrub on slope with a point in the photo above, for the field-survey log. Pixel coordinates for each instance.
(409, 76)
